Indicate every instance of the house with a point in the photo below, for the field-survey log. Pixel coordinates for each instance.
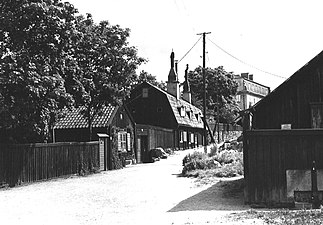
(283, 141)
(165, 118)
(249, 92)
(113, 122)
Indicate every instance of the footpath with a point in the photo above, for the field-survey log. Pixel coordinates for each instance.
(152, 193)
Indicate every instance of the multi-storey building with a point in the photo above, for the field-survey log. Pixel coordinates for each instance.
(249, 92)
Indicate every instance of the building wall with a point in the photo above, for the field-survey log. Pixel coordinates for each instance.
(151, 107)
(291, 102)
(249, 92)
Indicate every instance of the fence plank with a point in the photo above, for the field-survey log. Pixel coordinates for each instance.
(29, 163)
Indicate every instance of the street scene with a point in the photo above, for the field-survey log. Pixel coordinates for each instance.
(161, 112)
(153, 193)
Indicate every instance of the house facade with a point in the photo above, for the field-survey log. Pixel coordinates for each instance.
(113, 122)
(169, 113)
(249, 92)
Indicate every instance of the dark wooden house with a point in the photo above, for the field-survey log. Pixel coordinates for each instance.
(112, 122)
(283, 141)
(165, 118)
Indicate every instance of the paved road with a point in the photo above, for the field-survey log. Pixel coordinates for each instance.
(138, 194)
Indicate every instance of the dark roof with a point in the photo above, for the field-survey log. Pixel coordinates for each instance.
(176, 104)
(75, 118)
(317, 59)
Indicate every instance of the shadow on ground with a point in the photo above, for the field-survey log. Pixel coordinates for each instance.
(224, 195)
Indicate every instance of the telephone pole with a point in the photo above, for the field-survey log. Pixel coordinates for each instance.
(204, 92)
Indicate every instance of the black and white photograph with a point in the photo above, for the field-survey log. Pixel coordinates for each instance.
(170, 112)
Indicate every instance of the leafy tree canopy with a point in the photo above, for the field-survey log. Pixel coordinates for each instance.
(34, 45)
(145, 76)
(220, 91)
(51, 59)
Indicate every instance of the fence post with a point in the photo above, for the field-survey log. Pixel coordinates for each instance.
(103, 151)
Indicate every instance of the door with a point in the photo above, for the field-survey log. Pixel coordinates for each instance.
(143, 148)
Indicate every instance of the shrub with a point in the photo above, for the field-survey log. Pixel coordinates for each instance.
(228, 156)
(198, 161)
(227, 163)
(230, 170)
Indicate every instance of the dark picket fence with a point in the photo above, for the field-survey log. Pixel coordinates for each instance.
(35, 162)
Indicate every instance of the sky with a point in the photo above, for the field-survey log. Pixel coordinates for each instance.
(269, 39)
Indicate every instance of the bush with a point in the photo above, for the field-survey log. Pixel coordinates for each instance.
(228, 156)
(198, 161)
(228, 163)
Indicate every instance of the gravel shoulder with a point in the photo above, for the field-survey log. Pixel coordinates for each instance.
(138, 194)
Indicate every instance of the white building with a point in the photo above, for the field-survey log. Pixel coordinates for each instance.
(249, 92)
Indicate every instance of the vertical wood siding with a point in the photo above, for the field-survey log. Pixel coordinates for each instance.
(34, 162)
(267, 156)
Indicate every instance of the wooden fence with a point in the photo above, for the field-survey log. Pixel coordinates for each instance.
(268, 157)
(34, 162)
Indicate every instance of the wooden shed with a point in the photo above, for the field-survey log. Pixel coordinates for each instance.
(283, 146)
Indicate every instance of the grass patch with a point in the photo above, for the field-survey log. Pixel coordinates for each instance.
(227, 163)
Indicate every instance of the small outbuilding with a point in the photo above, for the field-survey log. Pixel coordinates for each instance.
(283, 141)
(113, 124)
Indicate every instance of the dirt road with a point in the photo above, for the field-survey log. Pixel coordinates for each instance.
(138, 194)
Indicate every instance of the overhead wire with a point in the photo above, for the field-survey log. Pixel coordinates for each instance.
(190, 49)
(243, 62)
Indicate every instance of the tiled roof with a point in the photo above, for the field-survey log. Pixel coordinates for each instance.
(192, 120)
(76, 119)
(195, 118)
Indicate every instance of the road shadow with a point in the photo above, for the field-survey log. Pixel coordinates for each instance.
(224, 195)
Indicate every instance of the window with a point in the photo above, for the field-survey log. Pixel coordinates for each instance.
(189, 114)
(124, 141)
(197, 117)
(238, 98)
(184, 136)
(145, 92)
(181, 111)
(181, 136)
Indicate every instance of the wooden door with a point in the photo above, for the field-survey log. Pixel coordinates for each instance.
(144, 149)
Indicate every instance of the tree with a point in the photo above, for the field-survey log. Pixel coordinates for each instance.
(145, 76)
(221, 89)
(106, 66)
(34, 47)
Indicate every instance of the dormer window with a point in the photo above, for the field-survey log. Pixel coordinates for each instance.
(181, 111)
(197, 116)
(188, 114)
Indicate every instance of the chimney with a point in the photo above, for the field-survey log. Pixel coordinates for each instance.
(186, 88)
(172, 83)
(244, 75)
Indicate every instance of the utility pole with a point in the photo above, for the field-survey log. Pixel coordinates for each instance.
(204, 93)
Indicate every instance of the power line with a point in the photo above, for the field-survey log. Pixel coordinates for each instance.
(189, 50)
(243, 62)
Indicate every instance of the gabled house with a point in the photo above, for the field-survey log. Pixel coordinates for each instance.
(165, 118)
(283, 141)
(113, 121)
